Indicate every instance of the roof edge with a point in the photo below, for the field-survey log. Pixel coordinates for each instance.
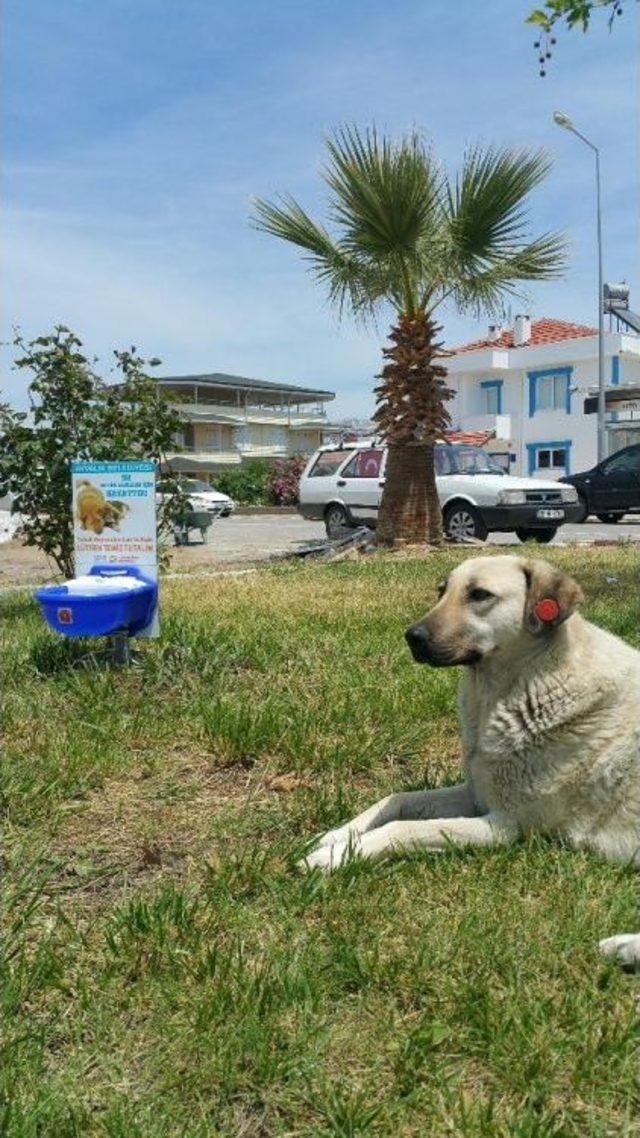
(565, 330)
(222, 379)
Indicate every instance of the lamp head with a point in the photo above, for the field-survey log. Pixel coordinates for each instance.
(561, 119)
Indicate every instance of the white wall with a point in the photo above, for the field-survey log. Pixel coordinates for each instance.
(468, 370)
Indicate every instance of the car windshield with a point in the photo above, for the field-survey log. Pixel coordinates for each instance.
(195, 485)
(461, 459)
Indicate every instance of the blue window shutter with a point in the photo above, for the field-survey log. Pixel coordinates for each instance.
(532, 393)
(615, 371)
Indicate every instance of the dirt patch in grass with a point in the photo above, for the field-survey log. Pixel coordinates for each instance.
(154, 826)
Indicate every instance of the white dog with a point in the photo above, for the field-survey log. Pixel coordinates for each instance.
(550, 712)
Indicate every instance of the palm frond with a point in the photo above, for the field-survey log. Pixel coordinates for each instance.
(484, 291)
(349, 279)
(354, 283)
(486, 207)
(407, 237)
(290, 222)
(385, 195)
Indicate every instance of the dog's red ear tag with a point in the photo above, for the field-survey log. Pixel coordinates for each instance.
(547, 610)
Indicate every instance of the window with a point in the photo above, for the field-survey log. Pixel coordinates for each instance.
(550, 390)
(501, 459)
(461, 458)
(265, 435)
(212, 437)
(327, 463)
(491, 396)
(552, 393)
(194, 485)
(551, 457)
(623, 462)
(442, 459)
(364, 464)
(492, 400)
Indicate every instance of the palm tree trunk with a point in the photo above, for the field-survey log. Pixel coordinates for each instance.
(411, 416)
(409, 510)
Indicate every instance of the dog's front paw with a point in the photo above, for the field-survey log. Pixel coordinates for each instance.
(624, 949)
(334, 837)
(326, 857)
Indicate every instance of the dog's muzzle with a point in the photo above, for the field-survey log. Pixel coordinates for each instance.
(418, 640)
(424, 651)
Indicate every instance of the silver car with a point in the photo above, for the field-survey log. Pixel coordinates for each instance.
(343, 487)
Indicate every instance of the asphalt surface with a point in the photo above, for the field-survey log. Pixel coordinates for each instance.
(248, 538)
(245, 539)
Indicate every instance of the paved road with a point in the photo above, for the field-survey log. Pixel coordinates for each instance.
(249, 538)
(627, 530)
(253, 536)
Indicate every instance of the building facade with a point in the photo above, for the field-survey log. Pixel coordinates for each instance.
(529, 385)
(229, 420)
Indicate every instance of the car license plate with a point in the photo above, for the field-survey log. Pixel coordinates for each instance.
(550, 514)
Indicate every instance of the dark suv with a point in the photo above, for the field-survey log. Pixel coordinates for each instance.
(612, 488)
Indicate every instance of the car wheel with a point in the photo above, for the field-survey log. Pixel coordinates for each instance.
(609, 519)
(584, 509)
(542, 536)
(336, 521)
(462, 522)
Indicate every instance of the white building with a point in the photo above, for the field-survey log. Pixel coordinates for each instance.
(229, 419)
(529, 384)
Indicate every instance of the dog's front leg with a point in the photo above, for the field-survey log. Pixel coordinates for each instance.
(396, 838)
(444, 802)
(623, 948)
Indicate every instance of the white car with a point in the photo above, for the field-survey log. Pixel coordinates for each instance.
(343, 486)
(203, 497)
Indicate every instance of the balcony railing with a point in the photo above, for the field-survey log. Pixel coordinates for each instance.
(478, 422)
(203, 412)
(236, 452)
(257, 450)
(208, 448)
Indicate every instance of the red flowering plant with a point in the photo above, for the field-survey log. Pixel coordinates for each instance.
(284, 480)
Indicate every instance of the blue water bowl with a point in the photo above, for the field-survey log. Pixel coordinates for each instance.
(128, 609)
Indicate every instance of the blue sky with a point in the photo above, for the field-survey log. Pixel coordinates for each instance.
(136, 132)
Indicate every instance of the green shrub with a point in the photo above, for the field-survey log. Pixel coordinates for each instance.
(74, 415)
(262, 483)
(247, 485)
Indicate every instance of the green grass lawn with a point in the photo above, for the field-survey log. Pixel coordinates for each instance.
(171, 973)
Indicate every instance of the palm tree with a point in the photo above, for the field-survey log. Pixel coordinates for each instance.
(405, 237)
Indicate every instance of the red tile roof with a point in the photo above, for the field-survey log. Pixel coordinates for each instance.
(543, 331)
(473, 438)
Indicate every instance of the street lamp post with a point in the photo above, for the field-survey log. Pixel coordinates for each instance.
(564, 121)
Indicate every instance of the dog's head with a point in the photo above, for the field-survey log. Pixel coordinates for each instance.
(113, 512)
(486, 603)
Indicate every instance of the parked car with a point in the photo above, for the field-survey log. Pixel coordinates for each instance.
(612, 488)
(202, 496)
(343, 487)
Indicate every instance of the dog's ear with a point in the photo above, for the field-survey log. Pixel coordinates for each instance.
(552, 596)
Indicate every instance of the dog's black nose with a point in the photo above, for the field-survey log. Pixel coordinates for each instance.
(418, 641)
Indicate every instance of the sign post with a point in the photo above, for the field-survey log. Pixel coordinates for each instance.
(114, 518)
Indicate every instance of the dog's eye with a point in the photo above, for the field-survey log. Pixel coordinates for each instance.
(480, 595)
